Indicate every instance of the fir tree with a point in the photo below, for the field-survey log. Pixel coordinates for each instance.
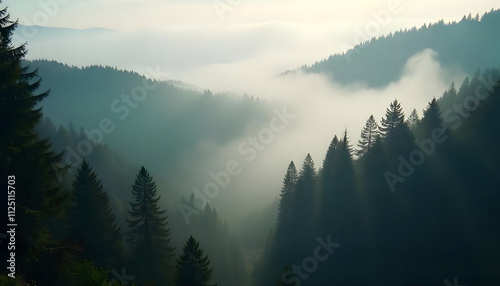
(413, 120)
(192, 268)
(149, 235)
(92, 221)
(27, 160)
(431, 118)
(369, 134)
(393, 117)
(287, 192)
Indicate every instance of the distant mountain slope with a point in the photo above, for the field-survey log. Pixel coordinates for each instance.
(153, 122)
(468, 45)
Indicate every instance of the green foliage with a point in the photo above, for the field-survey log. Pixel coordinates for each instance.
(149, 235)
(86, 273)
(92, 222)
(193, 269)
(40, 203)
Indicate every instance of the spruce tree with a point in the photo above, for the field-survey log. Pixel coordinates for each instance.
(369, 134)
(287, 192)
(92, 222)
(393, 117)
(193, 269)
(413, 120)
(149, 235)
(431, 119)
(28, 161)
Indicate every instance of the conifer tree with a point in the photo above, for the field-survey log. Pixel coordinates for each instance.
(193, 269)
(27, 160)
(92, 222)
(149, 234)
(287, 192)
(393, 117)
(369, 134)
(431, 118)
(413, 120)
(304, 211)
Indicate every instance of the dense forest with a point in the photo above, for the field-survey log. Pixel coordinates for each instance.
(361, 63)
(412, 202)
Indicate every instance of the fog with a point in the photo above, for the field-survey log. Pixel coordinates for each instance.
(322, 109)
(248, 59)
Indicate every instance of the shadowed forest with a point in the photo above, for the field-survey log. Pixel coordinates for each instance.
(114, 177)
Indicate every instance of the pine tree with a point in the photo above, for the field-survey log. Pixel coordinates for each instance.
(287, 192)
(304, 211)
(413, 120)
(28, 160)
(92, 221)
(149, 235)
(192, 268)
(393, 117)
(369, 134)
(431, 119)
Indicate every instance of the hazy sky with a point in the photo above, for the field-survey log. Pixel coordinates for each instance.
(139, 14)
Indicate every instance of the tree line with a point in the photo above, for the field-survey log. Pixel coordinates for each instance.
(415, 203)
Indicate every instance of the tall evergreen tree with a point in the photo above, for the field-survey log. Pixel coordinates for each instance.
(413, 120)
(393, 117)
(369, 134)
(92, 221)
(192, 268)
(287, 192)
(304, 197)
(28, 161)
(149, 235)
(431, 118)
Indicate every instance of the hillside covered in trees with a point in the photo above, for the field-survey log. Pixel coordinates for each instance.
(114, 178)
(465, 45)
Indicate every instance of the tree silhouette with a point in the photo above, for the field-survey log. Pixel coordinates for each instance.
(149, 236)
(192, 268)
(287, 193)
(413, 120)
(369, 134)
(29, 162)
(92, 221)
(393, 117)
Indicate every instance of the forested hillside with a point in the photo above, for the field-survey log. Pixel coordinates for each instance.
(466, 46)
(412, 202)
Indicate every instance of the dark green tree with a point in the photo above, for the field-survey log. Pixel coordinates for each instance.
(431, 119)
(369, 134)
(149, 234)
(287, 192)
(304, 196)
(393, 117)
(92, 222)
(192, 268)
(28, 161)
